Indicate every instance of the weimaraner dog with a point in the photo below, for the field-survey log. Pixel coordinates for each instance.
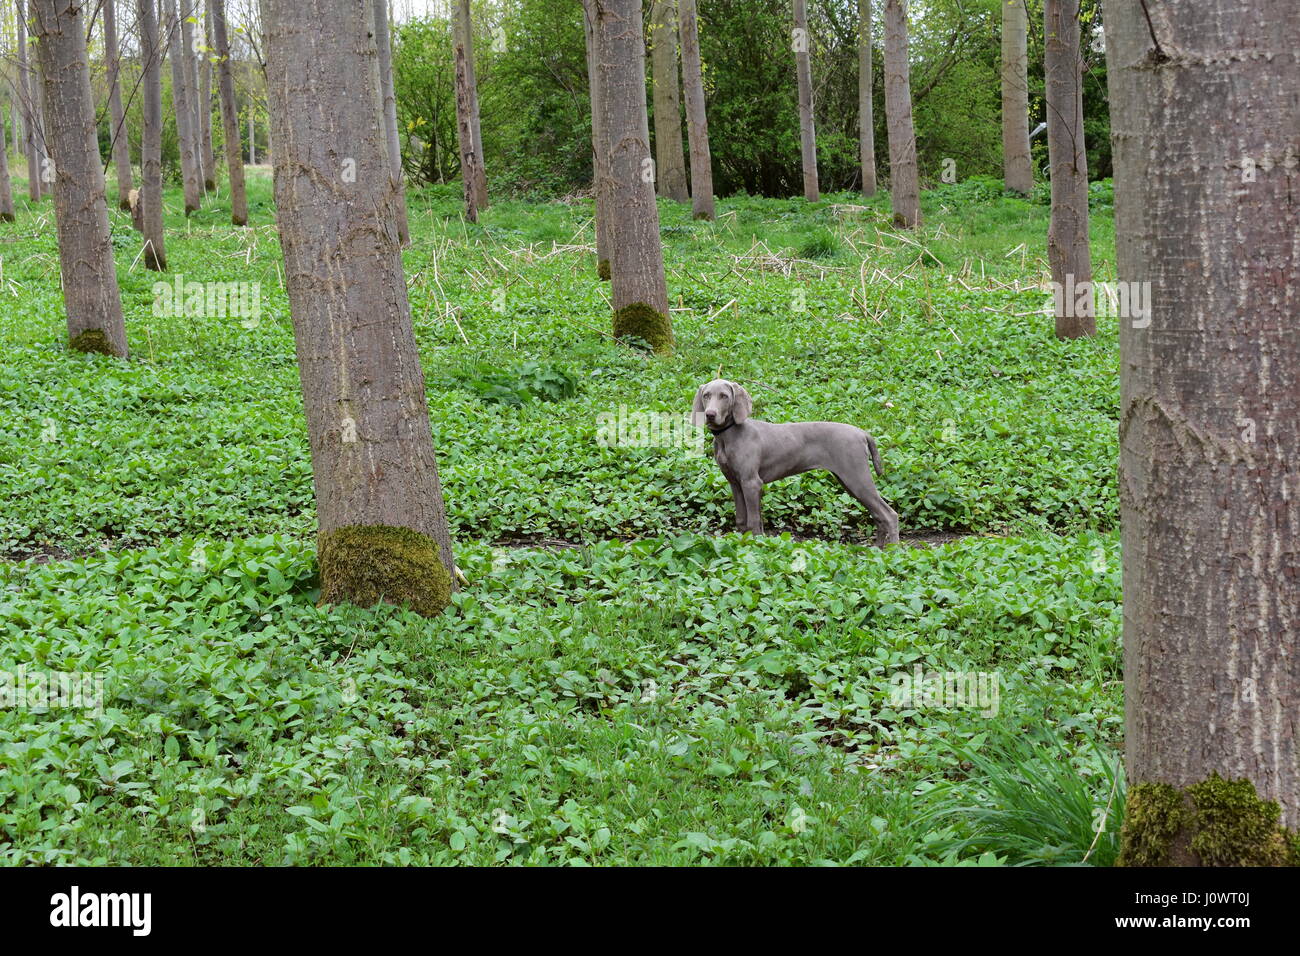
(753, 453)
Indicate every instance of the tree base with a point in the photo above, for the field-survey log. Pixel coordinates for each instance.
(602, 270)
(644, 322)
(92, 340)
(372, 564)
(1215, 822)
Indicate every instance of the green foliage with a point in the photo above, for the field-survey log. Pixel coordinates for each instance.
(543, 381)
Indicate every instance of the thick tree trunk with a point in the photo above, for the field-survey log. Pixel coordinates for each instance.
(388, 97)
(1017, 165)
(1206, 213)
(670, 166)
(803, 68)
(229, 115)
(150, 199)
(383, 526)
(117, 131)
(1067, 235)
(6, 187)
(697, 123)
(904, 181)
(27, 100)
(187, 138)
(89, 275)
(866, 122)
(639, 291)
(204, 58)
(599, 144)
(467, 113)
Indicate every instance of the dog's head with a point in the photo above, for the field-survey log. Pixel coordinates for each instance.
(720, 403)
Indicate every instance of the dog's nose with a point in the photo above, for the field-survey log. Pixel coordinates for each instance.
(710, 414)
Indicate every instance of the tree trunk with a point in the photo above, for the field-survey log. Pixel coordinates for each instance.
(383, 527)
(252, 135)
(90, 292)
(229, 115)
(477, 126)
(151, 216)
(388, 97)
(904, 183)
(599, 143)
(1206, 212)
(639, 292)
(6, 187)
(44, 164)
(1017, 164)
(670, 166)
(187, 139)
(697, 123)
(27, 98)
(117, 132)
(467, 113)
(1067, 235)
(803, 68)
(866, 122)
(205, 103)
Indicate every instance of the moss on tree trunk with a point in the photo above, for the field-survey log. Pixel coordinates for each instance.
(642, 321)
(1215, 822)
(372, 564)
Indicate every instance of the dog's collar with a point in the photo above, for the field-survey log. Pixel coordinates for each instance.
(718, 431)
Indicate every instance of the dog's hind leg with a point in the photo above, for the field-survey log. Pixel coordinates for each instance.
(864, 489)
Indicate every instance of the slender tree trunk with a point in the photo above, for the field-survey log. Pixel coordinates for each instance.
(151, 215)
(27, 98)
(1017, 164)
(639, 291)
(670, 166)
(252, 135)
(90, 292)
(477, 125)
(1067, 235)
(1206, 213)
(803, 68)
(205, 103)
(6, 187)
(866, 122)
(117, 131)
(467, 112)
(387, 95)
(44, 164)
(697, 123)
(904, 183)
(189, 61)
(229, 116)
(187, 140)
(599, 143)
(383, 526)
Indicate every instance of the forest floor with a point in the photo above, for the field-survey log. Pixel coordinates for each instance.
(624, 680)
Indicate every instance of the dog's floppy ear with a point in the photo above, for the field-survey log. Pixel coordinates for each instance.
(697, 407)
(741, 403)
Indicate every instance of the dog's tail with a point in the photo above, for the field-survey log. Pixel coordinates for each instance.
(875, 455)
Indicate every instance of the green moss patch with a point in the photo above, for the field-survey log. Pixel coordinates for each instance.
(644, 322)
(92, 340)
(602, 270)
(1224, 822)
(372, 564)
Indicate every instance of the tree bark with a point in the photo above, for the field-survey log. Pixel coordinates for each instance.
(90, 292)
(697, 123)
(151, 216)
(803, 69)
(904, 181)
(670, 166)
(599, 143)
(866, 122)
(117, 132)
(383, 526)
(27, 100)
(639, 291)
(204, 87)
(186, 136)
(6, 187)
(1203, 115)
(388, 97)
(229, 114)
(1067, 235)
(1017, 164)
(467, 112)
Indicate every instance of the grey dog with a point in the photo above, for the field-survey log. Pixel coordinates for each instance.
(752, 453)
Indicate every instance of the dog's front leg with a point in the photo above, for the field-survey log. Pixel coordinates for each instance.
(752, 490)
(738, 496)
